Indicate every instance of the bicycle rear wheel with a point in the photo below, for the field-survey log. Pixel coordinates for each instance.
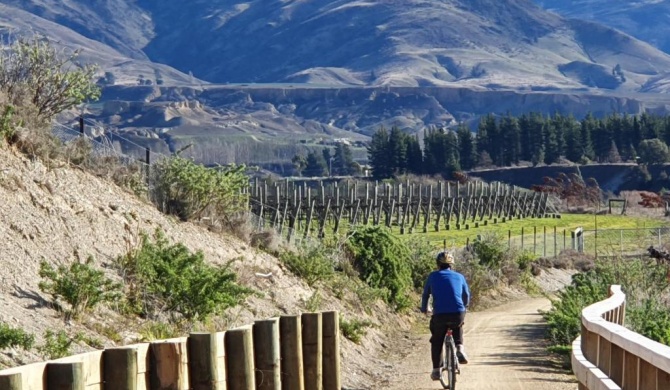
(448, 370)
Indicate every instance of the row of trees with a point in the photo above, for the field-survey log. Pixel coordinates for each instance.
(319, 164)
(533, 138)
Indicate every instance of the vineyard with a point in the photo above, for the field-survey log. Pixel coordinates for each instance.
(316, 208)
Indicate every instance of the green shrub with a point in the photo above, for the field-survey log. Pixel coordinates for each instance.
(525, 260)
(80, 285)
(481, 280)
(564, 317)
(7, 129)
(34, 71)
(13, 337)
(383, 262)
(312, 265)
(422, 261)
(313, 304)
(490, 249)
(164, 277)
(354, 330)
(192, 191)
(650, 319)
(158, 331)
(57, 345)
(643, 282)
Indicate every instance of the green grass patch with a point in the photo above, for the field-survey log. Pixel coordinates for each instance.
(567, 222)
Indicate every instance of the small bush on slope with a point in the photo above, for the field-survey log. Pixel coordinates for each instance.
(80, 285)
(192, 191)
(164, 277)
(382, 261)
(311, 264)
(13, 337)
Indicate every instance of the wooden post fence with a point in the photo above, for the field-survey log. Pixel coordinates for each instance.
(312, 350)
(331, 351)
(290, 329)
(299, 352)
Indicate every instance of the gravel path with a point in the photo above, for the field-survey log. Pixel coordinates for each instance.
(505, 351)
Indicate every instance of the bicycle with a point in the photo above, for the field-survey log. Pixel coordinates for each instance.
(449, 368)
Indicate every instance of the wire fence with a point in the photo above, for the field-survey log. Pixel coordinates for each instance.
(543, 242)
(622, 242)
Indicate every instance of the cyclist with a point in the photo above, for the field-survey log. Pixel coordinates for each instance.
(451, 296)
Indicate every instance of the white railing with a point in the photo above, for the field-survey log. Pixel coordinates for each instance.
(608, 356)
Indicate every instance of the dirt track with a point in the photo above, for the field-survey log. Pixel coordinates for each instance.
(504, 348)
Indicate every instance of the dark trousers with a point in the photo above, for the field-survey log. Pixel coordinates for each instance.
(439, 324)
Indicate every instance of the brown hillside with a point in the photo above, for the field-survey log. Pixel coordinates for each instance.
(60, 213)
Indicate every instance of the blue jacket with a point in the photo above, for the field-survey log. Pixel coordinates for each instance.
(450, 292)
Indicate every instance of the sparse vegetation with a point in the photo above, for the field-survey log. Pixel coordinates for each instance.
(164, 277)
(314, 302)
(57, 344)
(355, 329)
(644, 283)
(311, 264)
(12, 338)
(80, 285)
(192, 191)
(158, 331)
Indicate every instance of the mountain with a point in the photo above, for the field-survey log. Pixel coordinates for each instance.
(125, 64)
(474, 43)
(648, 20)
(258, 81)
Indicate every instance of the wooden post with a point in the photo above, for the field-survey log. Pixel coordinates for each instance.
(11, 382)
(81, 125)
(312, 349)
(331, 351)
(167, 365)
(267, 354)
(240, 359)
(65, 376)
(204, 354)
(555, 243)
(544, 250)
(120, 367)
(291, 353)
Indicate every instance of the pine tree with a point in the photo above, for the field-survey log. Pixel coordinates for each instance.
(573, 143)
(587, 128)
(414, 156)
(315, 165)
(551, 151)
(466, 148)
(613, 155)
(343, 161)
(511, 136)
(398, 151)
(379, 154)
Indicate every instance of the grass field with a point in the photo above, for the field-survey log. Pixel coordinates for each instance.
(513, 228)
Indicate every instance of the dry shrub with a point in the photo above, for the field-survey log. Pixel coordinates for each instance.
(78, 151)
(239, 225)
(40, 144)
(128, 175)
(267, 240)
(568, 259)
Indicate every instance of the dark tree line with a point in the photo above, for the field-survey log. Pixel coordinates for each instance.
(533, 137)
(319, 164)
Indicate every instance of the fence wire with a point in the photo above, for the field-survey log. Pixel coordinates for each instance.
(623, 242)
